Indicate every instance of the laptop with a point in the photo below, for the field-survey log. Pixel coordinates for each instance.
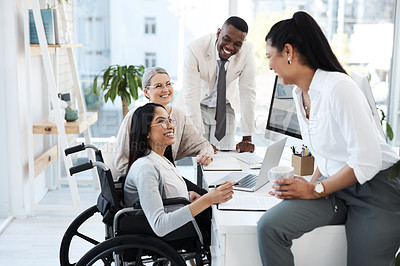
(252, 182)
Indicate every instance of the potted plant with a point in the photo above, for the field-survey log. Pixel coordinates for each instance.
(123, 81)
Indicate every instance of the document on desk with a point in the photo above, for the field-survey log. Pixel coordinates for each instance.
(228, 163)
(249, 203)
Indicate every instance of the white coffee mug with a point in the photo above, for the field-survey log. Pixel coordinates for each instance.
(278, 172)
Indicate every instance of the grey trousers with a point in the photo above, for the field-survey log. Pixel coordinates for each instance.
(370, 213)
(208, 115)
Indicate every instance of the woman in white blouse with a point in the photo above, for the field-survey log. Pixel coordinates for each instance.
(152, 176)
(351, 184)
(189, 142)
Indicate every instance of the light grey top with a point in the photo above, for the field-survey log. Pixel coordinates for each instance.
(188, 140)
(148, 180)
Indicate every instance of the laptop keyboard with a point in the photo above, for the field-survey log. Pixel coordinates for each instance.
(248, 157)
(249, 181)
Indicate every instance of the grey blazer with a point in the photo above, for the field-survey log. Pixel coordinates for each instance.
(145, 180)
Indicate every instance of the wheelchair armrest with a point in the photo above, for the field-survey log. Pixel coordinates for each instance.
(168, 202)
(176, 201)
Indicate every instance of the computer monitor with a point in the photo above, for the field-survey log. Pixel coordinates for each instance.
(363, 84)
(282, 117)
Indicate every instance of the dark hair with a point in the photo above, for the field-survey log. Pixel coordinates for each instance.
(307, 38)
(238, 23)
(140, 127)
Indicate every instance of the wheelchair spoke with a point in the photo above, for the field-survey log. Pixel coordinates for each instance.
(139, 257)
(107, 260)
(88, 239)
(76, 235)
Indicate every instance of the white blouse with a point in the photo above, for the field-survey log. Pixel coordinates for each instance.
(340, 129)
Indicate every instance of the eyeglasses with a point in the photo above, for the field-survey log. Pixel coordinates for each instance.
(159, 86)
(164, 123)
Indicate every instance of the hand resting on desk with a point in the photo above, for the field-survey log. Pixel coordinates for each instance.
(204, 159)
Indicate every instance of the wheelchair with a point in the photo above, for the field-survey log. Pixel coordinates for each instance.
(129, 238)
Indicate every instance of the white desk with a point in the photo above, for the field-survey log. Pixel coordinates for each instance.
(234, 235)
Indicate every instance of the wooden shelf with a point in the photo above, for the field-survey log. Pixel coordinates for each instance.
(35, 48)
(76, 127)
(47, 158)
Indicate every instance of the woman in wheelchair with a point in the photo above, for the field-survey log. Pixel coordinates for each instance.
(153, 177)
(189, 142)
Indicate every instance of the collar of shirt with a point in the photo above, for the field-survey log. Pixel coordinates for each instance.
(314, 92)
(161, 160)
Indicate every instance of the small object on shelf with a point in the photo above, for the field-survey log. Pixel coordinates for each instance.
(52, 114)
(71, 114)
(48, 17)
(67, 98)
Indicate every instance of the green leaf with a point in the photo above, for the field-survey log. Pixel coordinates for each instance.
(114, 88)
(121, 87)
(94, 89)
(382, 115)
(133, 86)
(389, 131)
(127, 97)
(107, 96)
(106, 78)
(120, 72)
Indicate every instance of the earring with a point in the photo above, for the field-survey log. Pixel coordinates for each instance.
(288, 61)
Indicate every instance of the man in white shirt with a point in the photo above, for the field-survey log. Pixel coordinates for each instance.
(201, 78)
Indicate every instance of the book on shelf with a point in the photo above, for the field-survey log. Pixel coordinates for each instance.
(49, 19)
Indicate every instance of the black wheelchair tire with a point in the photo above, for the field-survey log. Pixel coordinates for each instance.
(106, 249)
(73, 231)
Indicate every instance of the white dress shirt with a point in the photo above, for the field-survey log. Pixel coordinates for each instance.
(211, 100)
(341, 129)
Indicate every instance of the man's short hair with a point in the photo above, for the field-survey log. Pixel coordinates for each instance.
(238, 23)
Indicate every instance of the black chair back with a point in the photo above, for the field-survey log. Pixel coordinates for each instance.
(108, 202)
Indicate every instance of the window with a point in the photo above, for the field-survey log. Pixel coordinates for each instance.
(150, 60)
(150, 25)
(359, 32)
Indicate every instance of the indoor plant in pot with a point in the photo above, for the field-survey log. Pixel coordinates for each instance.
(123, 81)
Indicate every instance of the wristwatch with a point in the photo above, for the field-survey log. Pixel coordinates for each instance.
(320, 189)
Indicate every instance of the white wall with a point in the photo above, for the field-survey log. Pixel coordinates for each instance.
(4, 195)
(16, 114)
(12, 158)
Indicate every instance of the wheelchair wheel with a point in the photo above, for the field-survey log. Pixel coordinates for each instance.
(76, 239)
(132, 250)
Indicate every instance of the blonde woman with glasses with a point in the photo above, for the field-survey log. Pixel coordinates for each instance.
(189, 142)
